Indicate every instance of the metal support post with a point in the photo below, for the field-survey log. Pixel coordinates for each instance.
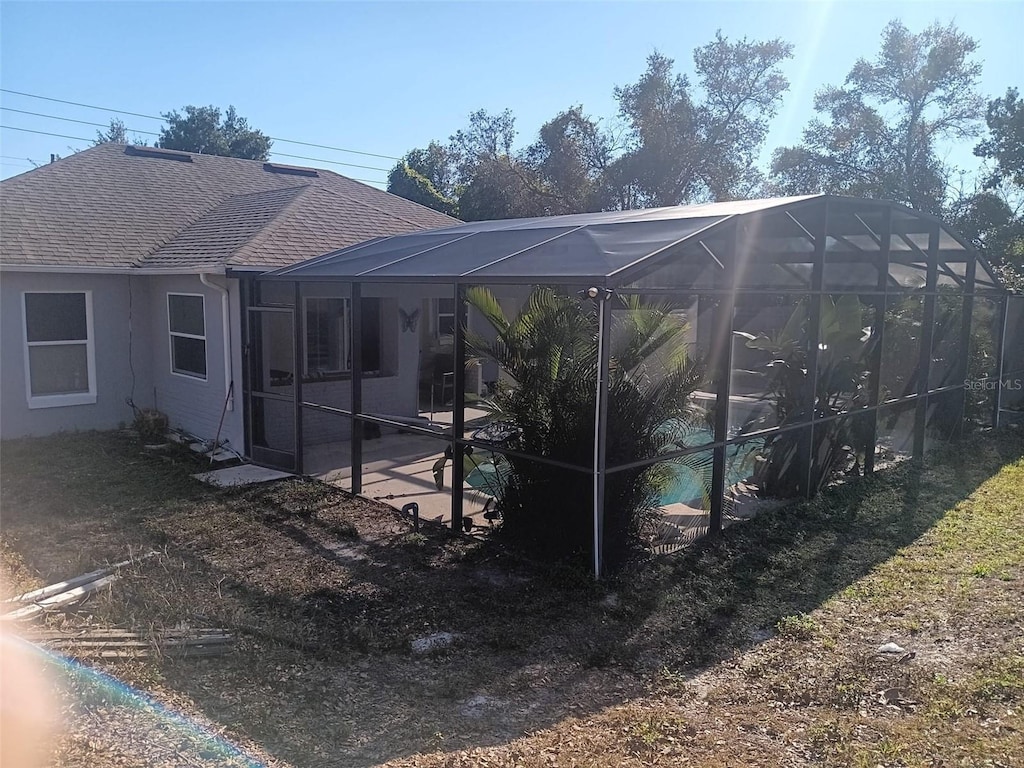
(927, 330)
(356, 346)
(604, 332)
(297, 369)
(459, 408)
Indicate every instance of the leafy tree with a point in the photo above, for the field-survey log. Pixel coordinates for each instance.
(879, 133)
(549, 352)
(569, 160)
(992, 219)
(1005, 143)
(425, 177)
(202, 130)
(691, 146)
(117, 133)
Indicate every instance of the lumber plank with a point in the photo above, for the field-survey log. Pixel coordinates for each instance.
(59, 600)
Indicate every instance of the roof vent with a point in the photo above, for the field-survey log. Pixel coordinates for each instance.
(291, 170)
(166, 154)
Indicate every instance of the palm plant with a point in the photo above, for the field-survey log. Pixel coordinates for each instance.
(841, 385)
(548, 354)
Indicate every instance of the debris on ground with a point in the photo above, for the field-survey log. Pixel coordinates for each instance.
(435, 642)
(64, 593)
(110, 643)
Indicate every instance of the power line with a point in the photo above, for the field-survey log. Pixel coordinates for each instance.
(333, 162)
(154, 133)
(164, 120)
(78, 104)
(72, 120)
(43, 133)
(79, 138)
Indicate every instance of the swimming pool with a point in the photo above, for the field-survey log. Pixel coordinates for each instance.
(691, 474)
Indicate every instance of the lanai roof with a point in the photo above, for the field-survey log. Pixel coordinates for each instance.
(611, 247)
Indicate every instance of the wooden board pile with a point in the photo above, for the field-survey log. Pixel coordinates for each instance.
(121, 644)
(106, 642)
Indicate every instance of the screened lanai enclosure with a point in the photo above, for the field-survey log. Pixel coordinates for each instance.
(597, 381)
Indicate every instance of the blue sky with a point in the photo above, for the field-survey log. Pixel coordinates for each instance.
(386, 77)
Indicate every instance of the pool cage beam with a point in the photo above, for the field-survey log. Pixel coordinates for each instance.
(878, 323)
(356, 347)
(297, 370)
(723, 321)
(604, 332)
(459, 408)
(814, 345)
(927, 336)
(997, 404)
(966, 317)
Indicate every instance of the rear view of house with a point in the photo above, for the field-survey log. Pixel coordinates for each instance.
(122, 275)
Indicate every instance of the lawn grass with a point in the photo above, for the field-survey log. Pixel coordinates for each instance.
(755, 648)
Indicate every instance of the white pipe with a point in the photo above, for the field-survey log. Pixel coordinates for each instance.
(225, 312)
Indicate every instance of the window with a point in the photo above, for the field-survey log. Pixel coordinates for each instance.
(327, 337)
(445, 320)
(60, 362)
(328, 343)
(186, 320)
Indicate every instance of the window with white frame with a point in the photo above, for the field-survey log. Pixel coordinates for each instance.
(186, 321)
(60, 360)
(444, 320)
(327, 337)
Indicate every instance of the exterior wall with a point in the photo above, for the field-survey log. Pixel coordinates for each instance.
(121, 344)
(193, 405)
(395, 393)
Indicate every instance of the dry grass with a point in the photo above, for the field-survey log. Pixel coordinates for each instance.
(757, 648)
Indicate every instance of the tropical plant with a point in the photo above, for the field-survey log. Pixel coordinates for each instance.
(548, 353)
(841, 385)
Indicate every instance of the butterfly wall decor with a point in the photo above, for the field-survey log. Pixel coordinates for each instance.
(409, 319)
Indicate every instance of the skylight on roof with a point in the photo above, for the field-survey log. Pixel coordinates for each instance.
(165, 154)
(292, 170)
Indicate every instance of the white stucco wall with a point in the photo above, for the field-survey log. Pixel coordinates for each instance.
(194, 405)
(121, 343)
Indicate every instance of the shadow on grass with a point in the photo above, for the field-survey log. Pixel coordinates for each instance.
(714, 599)
(538, 643)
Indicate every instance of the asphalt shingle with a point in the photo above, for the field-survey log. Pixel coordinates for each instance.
(106, 206)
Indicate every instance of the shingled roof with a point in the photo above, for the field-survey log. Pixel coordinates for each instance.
(115, 206)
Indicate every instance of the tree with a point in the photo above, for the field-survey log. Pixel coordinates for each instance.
(475, 176)
(568, 161)
(202, 130)
(548, 351)
(992, 213)
(425, 177)
(117, 133)
(688, 146)
(1005, 143)
(879, 133)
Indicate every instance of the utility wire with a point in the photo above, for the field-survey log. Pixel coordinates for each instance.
(155, 133)
(79, 138)
(72, 120)
(164, 120)
(42, 133)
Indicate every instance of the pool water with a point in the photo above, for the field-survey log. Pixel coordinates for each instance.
(691, 474)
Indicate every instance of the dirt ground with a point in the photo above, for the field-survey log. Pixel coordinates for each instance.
(756, 648)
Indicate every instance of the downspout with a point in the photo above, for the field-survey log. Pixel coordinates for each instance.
(225, 311)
